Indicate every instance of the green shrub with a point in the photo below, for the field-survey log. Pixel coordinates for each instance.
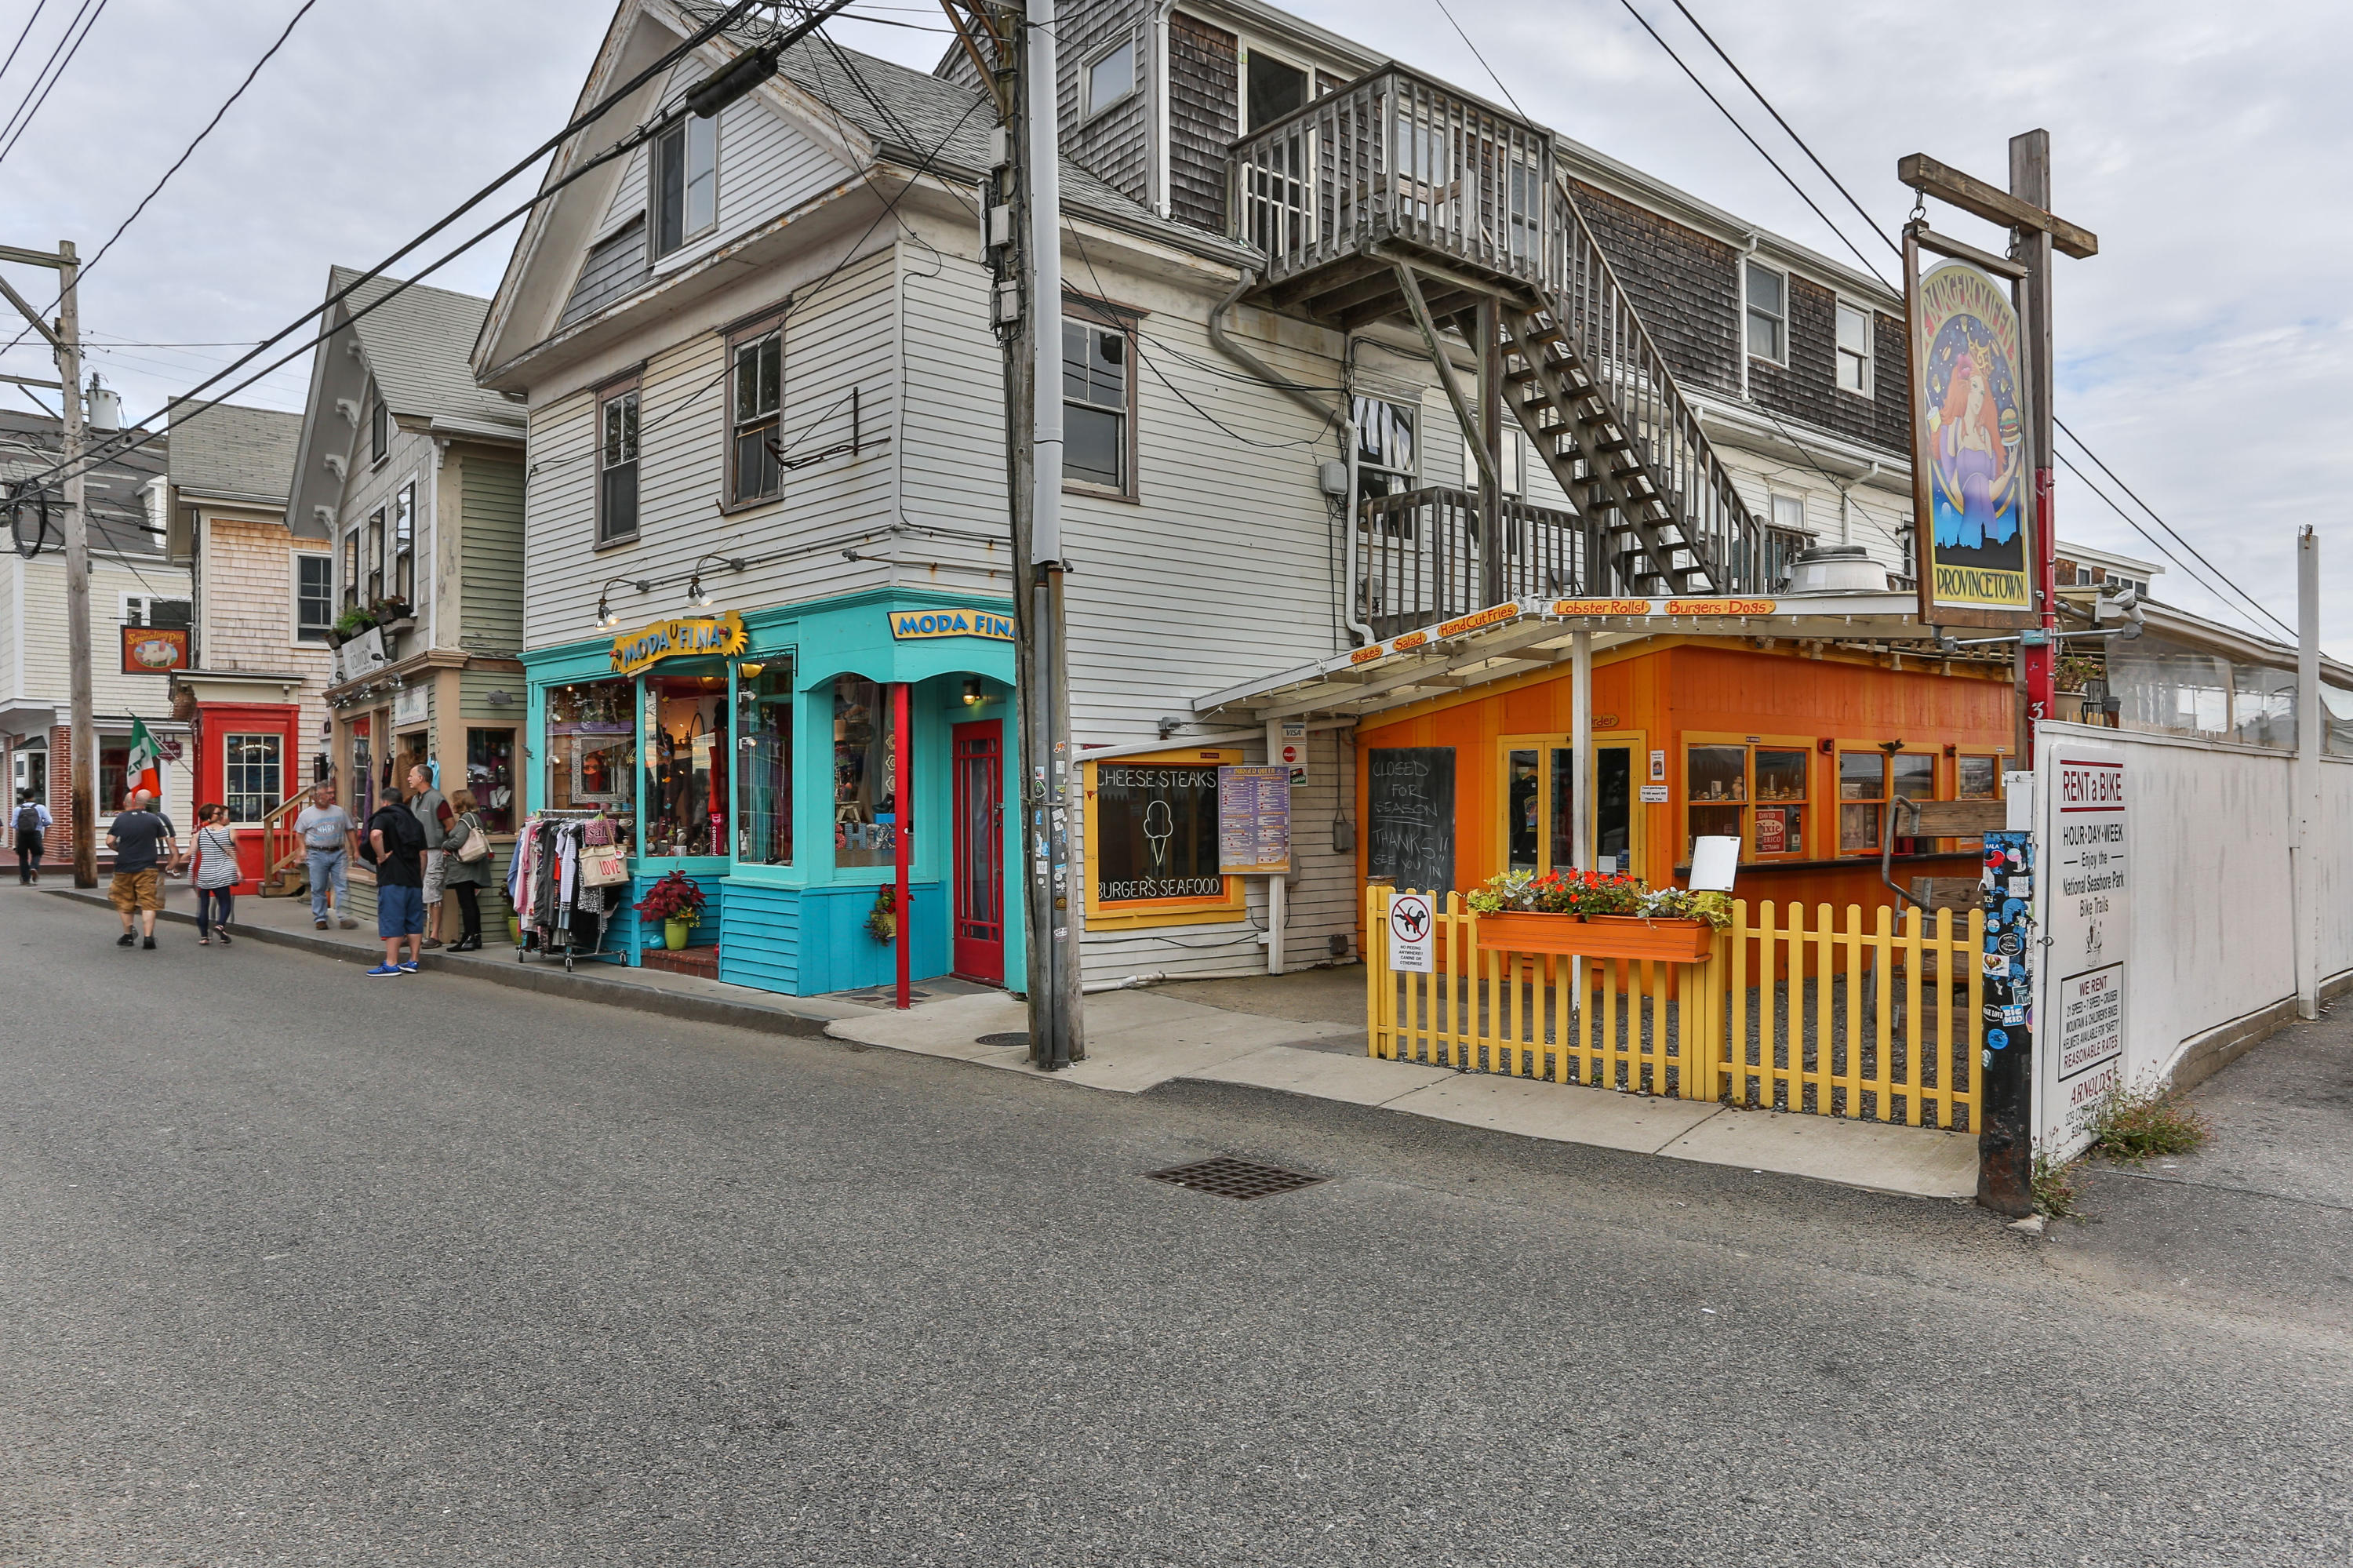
(2133, 1124)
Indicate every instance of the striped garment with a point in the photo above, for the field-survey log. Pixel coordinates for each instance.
(216, 857)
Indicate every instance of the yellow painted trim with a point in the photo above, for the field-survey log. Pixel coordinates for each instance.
(1155, 912)
(1680, 797)
(1544, 743)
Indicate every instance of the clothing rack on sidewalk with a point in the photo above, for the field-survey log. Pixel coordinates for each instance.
(554, 908)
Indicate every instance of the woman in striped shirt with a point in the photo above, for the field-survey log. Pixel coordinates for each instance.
(217, 874)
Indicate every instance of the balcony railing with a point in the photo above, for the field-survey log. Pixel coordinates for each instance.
(1395, 156)
(1418, 560)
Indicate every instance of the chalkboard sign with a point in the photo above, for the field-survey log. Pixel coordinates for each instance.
(1411, 816)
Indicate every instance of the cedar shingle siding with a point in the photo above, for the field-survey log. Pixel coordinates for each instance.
(1807, 388)
(1202, 82)
(1114, 143)
(1683, 285)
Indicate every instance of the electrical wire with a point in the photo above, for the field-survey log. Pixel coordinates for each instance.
(597, 112)
(2158, 545)
(25, 32)
(57, 76)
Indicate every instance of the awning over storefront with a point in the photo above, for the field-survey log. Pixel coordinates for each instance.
(1516, 638)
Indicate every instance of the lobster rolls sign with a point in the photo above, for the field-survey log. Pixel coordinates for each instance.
(1973, 480)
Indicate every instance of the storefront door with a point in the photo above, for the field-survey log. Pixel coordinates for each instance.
(979, 852)
(1539, 781)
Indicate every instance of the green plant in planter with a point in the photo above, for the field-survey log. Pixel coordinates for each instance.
(354, 621)
(2074, 669)
(677, 902)
(882, 920)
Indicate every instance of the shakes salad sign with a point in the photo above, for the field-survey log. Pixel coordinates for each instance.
(1973, 481)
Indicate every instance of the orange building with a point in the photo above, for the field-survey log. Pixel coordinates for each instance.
(1799, 749)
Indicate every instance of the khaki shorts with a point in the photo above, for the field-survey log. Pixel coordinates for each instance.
(134, 890)
(436, 873)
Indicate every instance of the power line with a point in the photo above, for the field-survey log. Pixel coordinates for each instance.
(603, 106)
(21, 36)
(55, 77)
(55, 49)
(2159, 546)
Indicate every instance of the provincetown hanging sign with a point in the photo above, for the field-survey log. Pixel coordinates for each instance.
(706, 636)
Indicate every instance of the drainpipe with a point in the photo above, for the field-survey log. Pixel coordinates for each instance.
(1158, 172)
(1314, 405)
(1740, 312)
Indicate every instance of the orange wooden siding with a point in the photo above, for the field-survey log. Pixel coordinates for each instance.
(1659, 693)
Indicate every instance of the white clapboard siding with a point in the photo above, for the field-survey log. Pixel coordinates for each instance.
(767, 167)
(46, 669)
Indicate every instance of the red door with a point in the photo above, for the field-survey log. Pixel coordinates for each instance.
(979, 852)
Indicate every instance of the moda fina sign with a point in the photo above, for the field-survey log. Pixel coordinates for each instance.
(914, 625)
(1972, 479)
(707, 636)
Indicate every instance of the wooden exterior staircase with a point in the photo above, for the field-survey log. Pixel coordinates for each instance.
(285, 865)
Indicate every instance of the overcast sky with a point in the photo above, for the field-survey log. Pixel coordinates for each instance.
(2203, 353)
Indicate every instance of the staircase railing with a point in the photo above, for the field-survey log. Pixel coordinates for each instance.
(1418, 560)
(280, 845)
(1599, 324)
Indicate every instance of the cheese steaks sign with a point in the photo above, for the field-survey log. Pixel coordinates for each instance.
(1973, 484)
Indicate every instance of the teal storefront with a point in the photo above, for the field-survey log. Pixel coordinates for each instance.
(761, 763)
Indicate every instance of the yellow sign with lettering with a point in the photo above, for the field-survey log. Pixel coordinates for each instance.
(914, 625)
(705, 636)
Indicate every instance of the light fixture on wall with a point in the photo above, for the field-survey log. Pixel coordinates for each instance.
(696, 593)
(750, 671)
(973, 695)
(606, 617)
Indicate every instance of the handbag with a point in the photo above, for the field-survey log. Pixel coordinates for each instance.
(477, 845)
(603, 866)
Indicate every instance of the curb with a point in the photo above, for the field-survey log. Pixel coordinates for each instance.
(545, 980)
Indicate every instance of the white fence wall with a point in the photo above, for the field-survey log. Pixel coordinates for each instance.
(2210, 841)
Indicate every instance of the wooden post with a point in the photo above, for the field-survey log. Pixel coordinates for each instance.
(1490, 328)
(82, 773)
(2029, 181)
(903, 831)
(2310, 738)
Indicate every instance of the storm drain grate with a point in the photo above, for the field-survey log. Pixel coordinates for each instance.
(1229, 1178)
(1016, 1037)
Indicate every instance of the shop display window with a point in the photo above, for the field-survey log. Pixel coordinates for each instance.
(1156, 832)
(592, 749)
(1977, 778)
(362, 804)
(865, 804)
(763, 765)
(1779, 824)
(1525, 810)
(1862, 800)
(686, 765)
(490, 775)
(1716, 787)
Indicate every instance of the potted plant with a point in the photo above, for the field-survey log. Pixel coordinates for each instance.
(349, 625)
(882, 920)
(2068, 676)
(1591, 914)
(677, 902)
(394, 614)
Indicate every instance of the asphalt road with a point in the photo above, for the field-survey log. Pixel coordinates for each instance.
(299, 1267)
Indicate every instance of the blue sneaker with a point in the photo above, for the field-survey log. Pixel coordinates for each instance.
(383, 970)
(408, 966)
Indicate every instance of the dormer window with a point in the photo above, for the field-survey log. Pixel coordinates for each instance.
(1273, 89)
(685, 181)
(1112, 77)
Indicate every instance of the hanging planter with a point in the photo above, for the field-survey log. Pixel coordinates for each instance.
(882, 920)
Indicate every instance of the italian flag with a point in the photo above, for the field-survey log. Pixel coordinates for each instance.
(144, 768)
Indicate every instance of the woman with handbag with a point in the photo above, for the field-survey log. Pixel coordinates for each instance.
(215, 874)
(469, 870)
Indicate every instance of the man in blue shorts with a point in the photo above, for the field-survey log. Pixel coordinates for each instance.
(395, 846)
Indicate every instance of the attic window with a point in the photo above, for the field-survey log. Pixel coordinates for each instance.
(379, 431)
(1274, 88)
(1111, 78)
(685, 181)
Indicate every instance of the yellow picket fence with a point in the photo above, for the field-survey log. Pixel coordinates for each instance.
(1884, 1024)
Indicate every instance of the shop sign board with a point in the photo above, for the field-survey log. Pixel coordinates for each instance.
(1253, 821)
(154, 649)
(1973, 486)
(412, 704)
(2087, 917)
(1411, 925)
(720, 636)
(917, 625)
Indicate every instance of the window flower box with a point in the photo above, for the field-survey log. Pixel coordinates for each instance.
(1671, 940)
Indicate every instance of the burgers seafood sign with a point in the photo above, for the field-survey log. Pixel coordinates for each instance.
(709, 636)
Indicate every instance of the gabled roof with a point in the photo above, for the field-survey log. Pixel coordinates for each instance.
(419, 347)
(114, 493)
(233, 453)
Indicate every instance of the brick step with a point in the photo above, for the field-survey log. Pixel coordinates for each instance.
(704, 961)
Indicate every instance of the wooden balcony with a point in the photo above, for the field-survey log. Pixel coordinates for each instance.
(1419, 560)
(1398, 199)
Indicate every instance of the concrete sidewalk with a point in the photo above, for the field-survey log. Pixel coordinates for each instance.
(1301, 1034)
(1137, 1040)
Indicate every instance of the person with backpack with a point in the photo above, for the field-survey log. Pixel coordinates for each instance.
(396, 847)
(32, 826)
(215, 874)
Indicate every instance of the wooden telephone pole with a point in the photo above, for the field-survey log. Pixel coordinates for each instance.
(2006, 1140)
(65, 343)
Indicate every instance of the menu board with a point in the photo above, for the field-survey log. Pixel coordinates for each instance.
(1410, 812)
(1254, 822)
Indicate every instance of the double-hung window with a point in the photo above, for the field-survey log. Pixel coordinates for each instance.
(1098, 393)
(1854, 350)
(150, 610)
(1769, 313)
(403, 545)
(314, 595)
(616, 466)
(685, 181)
(754, 472)
(1386, 463)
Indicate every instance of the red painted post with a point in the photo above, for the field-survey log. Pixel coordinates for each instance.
(902, 804)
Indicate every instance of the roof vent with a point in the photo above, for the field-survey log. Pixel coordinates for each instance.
(1836, 569)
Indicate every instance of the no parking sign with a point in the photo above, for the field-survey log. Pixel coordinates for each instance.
(1410, 925)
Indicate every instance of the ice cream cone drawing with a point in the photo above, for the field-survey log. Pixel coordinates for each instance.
(1159, 826)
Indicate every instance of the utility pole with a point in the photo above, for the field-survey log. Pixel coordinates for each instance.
(1033, 407)
(65, 344)
(2029, 182)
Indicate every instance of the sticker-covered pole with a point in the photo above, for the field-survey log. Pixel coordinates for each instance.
(2029, 181)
